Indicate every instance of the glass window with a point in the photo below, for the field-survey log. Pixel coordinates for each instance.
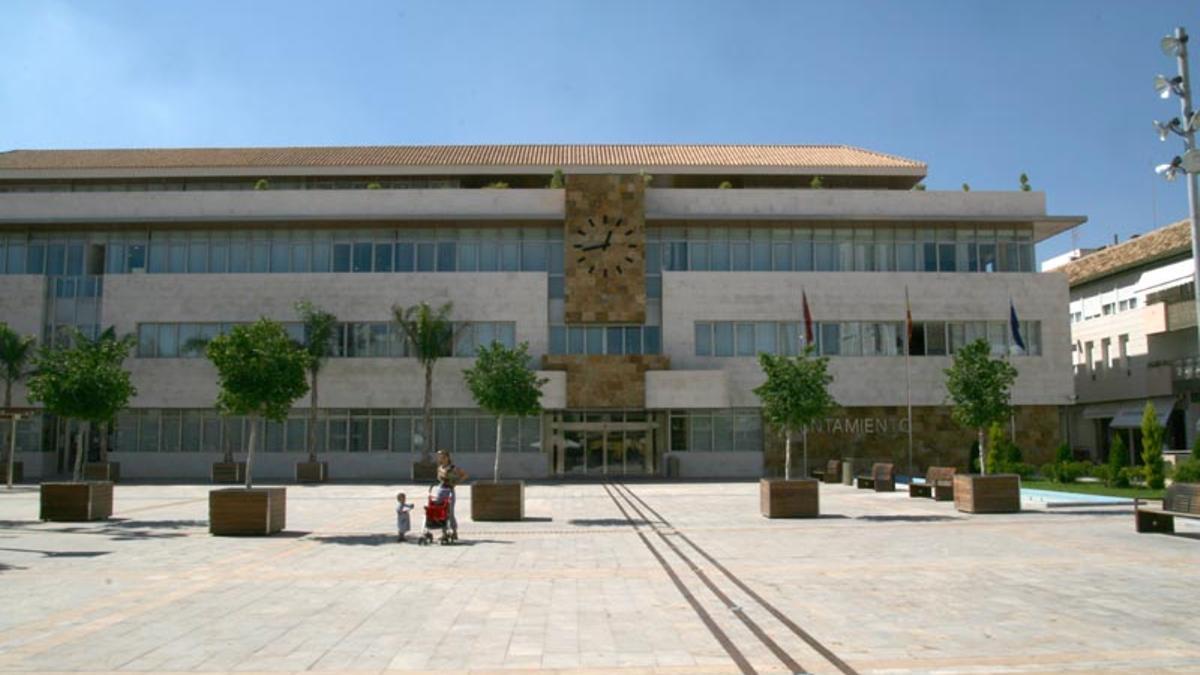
(148, 431)
(782, 256)
(381, 434)
(56, 260)
(616, 340)
(703, 338)
(510, 257)
(189, 340)
(851, 345)
(446, 256)
(740, 256)
(360, 428)
(75, 259)
(322, 256)
(425, 257)
(718, 253)
(987, 257)
(745, 339)
(761, 256)
(722, 427)
(404, 257)
(533, 256)
(281, 255)
(946, 258)
(766, 338)
(595, 339)
(362, 257)
(190, 431)
(468, 257)
(341, 257)
(383, 257)
(558, 340)
(698, 256)
(158, 257)
(652, 340)
(633, 340)
(575, 340)
(700, 432)
(723, 339)
(653, 258)
(789, 338)
(869, 333)
(168, 345)
(402, 434)
(935, 338)
(147, 340)
(260, 256)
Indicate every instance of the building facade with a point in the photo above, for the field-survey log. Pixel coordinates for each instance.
(644, 281)
(1133, 333)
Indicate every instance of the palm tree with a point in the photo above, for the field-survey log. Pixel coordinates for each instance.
(15, 352)
(319, 327)
(430, 336)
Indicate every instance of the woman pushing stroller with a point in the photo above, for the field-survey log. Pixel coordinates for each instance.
(439, 513)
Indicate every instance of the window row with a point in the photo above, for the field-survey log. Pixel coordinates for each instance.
(29, 435)
(871, 249)
(350, 340)
(716, 431)
(861, 338)
(375, 430)
(605, 340)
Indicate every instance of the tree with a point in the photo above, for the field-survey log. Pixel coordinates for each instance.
(1024, 181)
(15, 353)
(725, 185)
(919, 187)
(966, 187)
(431, 336)
(557, 180)
(795, 395)
(262, 184)
(816, 183)
(108, 336)
(1000, 458)
(503, 384)
(319, 327)
(83, 380)
(260, 372)
(979, 389)
(1152, 445)
(1117, 461)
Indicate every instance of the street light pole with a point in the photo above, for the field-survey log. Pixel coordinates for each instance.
(1189, 142)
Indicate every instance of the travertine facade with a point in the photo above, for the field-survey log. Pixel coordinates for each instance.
(606, 381)
(605, 252)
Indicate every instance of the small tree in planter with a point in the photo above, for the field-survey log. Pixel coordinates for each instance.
(1152, 445)
(430, 336)
(503, 384)
(16, 351)
(319, 327)
(979, 388)
(795, 394)
(260, 372)
(84, 380)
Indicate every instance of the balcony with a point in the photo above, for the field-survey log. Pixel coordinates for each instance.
(290, 205)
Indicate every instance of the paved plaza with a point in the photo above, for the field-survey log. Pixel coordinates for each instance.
(634, 577)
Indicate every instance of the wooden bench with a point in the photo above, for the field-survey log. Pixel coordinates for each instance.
(832, 472)
(938, 485)
(1182, 500)
(882, 478)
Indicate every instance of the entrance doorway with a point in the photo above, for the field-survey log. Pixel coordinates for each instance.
(605, 444)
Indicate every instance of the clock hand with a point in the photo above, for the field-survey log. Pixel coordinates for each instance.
(608, 239)
(593, 247)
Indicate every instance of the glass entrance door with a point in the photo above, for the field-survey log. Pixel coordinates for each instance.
(605, 444)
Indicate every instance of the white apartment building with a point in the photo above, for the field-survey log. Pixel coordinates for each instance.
(645, 286)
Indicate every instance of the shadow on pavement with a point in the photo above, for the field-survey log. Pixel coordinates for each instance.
(907, 519)
(606, 522)
(59, 554)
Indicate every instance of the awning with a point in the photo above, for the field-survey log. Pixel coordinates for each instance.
(1131, 418)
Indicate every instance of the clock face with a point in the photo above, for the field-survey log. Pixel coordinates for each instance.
(606, 246)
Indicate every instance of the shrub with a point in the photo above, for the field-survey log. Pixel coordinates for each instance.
(1062, 453)
(1152, 444)
(1069, 472)
(1130, 475)
(374, 186)
(1025, 471)
(1104, 473)
(725, 185)
(497, 185)
(1188, 471)
(1049, 471)
(816, 183)
(1003, 455)
(557, 180)
(1117, 461)
(262, 184)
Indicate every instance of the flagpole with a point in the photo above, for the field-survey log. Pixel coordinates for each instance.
(908, 378)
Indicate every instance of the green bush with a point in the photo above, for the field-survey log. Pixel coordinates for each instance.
(1025, 471)
(1132, 474)
(1188, 471)
(1118, 459)
(1153, 435)
(1003, 455)
(497, 185)
(1062, 453)
(725, 185)
(1069, 472)
(1104, 473)
(1049, 471)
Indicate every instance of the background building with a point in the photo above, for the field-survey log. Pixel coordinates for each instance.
(1133, 333)
(645, 287)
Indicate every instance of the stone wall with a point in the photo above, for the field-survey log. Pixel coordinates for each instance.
(880, 434)
(606, 381)
(605, 284)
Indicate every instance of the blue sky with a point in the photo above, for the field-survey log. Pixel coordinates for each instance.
(979, 90)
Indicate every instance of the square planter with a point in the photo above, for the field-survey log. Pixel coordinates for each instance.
(424, 472)
(999, 493)
(106, 471)
(242, 512)
(76, 502)
(504, 500)
(312, 472)
(797, 498)
(229, 472)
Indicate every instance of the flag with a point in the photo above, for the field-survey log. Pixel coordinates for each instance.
(1015, 325)
(907, 323)
(808, 322)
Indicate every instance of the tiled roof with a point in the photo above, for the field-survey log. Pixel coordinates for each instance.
(1164, 242)
(649, 156)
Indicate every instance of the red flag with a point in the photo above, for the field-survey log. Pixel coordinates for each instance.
(907, 323)
(808, 322)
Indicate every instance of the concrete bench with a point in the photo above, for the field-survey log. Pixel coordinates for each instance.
(882, 478)
(1181, 500)
(938, 485)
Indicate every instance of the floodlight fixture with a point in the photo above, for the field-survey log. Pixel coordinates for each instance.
(1173, 46)
(1164, 129)
(1169, 171)
(1166, 86)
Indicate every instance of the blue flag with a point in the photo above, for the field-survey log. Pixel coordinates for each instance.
(1015, 325)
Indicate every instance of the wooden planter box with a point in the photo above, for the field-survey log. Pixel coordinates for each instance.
(424, 472)
(76, 502)
(106, 471)
(999, 493)
(312, 472)
(242, 512)
(797, 498)
(504, 500)
(229, 472)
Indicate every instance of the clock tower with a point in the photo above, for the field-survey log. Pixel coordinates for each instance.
(605, 249)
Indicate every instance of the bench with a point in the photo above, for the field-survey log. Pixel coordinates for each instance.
(882, 478)
(831, 474)
(1181, 500)
(938, 485)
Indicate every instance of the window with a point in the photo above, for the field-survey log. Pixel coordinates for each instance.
(1123, 347)
(1105, 355)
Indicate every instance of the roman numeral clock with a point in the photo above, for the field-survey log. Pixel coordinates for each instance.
(605, 249)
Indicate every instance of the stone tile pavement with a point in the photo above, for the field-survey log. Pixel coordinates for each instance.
(633, 578)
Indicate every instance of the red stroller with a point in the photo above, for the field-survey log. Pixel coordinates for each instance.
(437, 517)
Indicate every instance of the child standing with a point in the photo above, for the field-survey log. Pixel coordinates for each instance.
(403, 524)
